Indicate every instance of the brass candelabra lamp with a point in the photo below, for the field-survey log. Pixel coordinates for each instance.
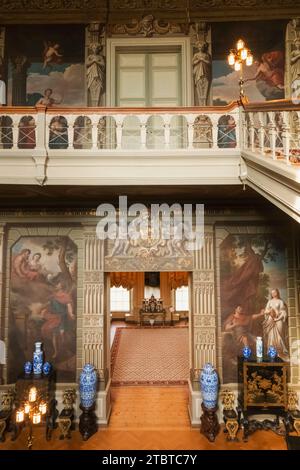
(237, 58)
(31, 412)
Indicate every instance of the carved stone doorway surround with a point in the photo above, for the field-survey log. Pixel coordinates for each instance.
(202, 324)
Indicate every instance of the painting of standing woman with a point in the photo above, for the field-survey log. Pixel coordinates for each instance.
(253, 286)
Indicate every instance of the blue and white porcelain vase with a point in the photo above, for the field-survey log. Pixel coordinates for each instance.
(272, 353)
(88, 386)
(28, 368)
(247, 352)
(259, 347)
(209, 385)
(46, 368)
(38, 359)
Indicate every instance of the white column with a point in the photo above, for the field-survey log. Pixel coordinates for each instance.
(261, 133)
(2, 256)
(71, 122)
(93, 332)
(40, 152)
(204, 304)
(286, 137)
(167, 120)
(143, 121)
(15, 130)
(215, 129)
(95, 121)
(119, 130)
(272, 134)
(252, 132)
(2, 233)
(93, 287)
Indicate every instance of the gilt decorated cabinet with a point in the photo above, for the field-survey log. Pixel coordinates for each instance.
(263, 390)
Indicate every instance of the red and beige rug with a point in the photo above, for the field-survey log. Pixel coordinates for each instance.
(156, 356)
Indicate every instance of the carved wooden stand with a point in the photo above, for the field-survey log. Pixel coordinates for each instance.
(209, 423)
(87, 422)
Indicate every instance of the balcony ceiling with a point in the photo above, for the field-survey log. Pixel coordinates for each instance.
(111, 11)
(56, 197)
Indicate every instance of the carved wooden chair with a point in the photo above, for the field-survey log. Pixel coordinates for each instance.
(293, 411)
(66, 416)
(7, 401)
(230, 415)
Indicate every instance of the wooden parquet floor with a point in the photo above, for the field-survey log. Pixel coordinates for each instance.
(150, 418)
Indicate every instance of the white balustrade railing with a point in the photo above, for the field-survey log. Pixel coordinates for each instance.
(32, 130)
(268, 129)
(272, 130)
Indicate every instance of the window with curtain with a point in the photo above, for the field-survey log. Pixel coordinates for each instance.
(119, 299)
(182, 298)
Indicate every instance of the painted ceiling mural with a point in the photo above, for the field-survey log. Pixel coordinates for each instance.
(46, 65)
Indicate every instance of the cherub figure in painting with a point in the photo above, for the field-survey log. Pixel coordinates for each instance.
(51, 54)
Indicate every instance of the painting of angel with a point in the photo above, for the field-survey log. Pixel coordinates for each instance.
(51, 54)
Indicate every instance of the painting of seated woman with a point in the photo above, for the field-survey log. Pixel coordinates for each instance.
(43, 295)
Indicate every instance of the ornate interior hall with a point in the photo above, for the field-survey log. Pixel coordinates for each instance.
(149, 224)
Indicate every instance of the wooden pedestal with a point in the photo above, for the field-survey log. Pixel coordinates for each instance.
(87, 422)
(209, 423)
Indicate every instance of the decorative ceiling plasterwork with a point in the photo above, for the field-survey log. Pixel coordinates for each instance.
(194, 4)
(242, 3)
(122, 11)
(147, 4)
(50, 4)
(148, 26)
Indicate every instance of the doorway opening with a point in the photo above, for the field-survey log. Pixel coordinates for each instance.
(149, 328)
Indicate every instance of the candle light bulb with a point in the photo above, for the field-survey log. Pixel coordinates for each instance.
(43, 407)
(237, 66)
(27, 408)
(249, 60)
(20, 415)
(244, 53)
(32, 394)
(240, 44)
(36, 418)
(231, 58)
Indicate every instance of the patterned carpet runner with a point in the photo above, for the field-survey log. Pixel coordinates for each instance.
(156, 356)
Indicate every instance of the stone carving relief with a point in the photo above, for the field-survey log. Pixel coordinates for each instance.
(95, 63)
(204, 321)
(199, 276)
(293, 58)
(202, 128)
(202, 62)
(156, 254)
(148, 26)
(93, 276)
(92, 337)
(93, 321)
(205, 336)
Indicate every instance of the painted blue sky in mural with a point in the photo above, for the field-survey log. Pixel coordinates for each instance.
(37, 67)
(55, 55)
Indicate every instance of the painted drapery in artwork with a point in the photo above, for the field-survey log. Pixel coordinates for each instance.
(252, 267)
(42, 305)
